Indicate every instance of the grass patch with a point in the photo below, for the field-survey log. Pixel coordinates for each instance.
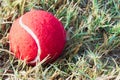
(93, 45)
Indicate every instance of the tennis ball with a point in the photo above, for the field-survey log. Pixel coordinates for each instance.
(36, 35)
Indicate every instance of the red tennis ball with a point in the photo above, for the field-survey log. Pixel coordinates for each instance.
(36, 35)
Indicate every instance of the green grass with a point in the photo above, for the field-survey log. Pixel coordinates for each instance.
(92, 50)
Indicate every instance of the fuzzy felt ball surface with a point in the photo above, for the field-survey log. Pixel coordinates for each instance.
(36, 35)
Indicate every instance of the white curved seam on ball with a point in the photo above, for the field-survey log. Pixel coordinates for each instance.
(26, 28)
